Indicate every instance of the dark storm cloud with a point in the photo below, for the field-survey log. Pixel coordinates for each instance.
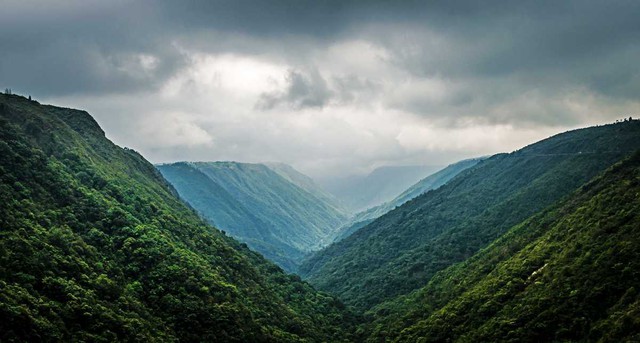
(493, 62)
(352, 83)
(491, 37)
(82, 47)
(302, 91)
(74, 47)
(311, 90)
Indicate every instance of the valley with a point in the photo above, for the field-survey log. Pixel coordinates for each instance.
(539, 244)
(261, 206)
(263, 171)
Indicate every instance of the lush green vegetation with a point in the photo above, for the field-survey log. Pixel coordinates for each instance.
(570, 273)
(275, 210)
(430, 182)
(402, 250)
(96, 246)
(538, 245)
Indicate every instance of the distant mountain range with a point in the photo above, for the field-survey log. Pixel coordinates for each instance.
(359, 193)
(430, 182)
(280, 212)
(276, 210)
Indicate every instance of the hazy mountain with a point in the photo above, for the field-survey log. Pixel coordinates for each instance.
(96, 246)
(360, 192)
(305, 182)
(400, 251)
(430, 182)
(276, 210)
(568, 274)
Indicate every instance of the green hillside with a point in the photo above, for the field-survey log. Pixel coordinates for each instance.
(279, 214)
(400, 251)
(96, 246)
(430, 182)
(570, 273)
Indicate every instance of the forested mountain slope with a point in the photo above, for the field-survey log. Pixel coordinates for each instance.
(222, 210)
(570, 273)
(266, 209)
(96, 246)
(401, 251)
(430, 182)
(307, 183)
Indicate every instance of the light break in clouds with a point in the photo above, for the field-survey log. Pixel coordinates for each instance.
(331, 87)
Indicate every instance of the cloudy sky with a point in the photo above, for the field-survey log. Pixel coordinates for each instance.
(331, 87)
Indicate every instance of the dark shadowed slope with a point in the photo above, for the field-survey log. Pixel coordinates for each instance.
(96, 246)
(570, 273)
(259, 206)
(401, 251)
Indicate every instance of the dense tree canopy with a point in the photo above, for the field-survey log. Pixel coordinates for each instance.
(400, 251)
(541, 244)
(95, 246)
(570, 273)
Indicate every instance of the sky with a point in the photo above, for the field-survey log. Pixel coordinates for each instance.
(330, 87)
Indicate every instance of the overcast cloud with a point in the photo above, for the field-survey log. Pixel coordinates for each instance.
(331, 87)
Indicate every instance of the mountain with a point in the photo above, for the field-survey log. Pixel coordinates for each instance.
(568, 274)
(230, 214)
(402, 250)
(358, 193)
(96, 246)
(430, 182)
(275, 210)
(308, 184)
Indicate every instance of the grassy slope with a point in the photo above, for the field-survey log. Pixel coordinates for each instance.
(400, 251)
(570, 273)
(95, 246)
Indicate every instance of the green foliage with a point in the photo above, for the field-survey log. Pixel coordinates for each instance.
(255, 204)
(402, 250)
(570, 273)
(96, 246)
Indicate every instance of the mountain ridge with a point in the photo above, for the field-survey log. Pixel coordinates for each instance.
(282, 217)
(428, 183)
(400, 250)
(564, 274)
